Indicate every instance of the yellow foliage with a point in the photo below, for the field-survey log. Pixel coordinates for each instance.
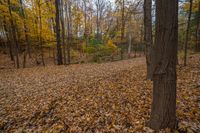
(111, 45)
(186, 6)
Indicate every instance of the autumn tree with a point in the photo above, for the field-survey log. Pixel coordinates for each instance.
(62, 19)
(187, 34)
(122, 6)
(27, 50)
(86, 29)
(40, 39)
(100, 7)
(59, 50)
(123, 19)
(68, 11)
(6, 27)
(36, 26)
(14, 34)
(163, 110)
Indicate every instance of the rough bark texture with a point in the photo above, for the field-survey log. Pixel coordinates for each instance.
(163, 111)
(59, 50)
(148, 36)
(187, 33)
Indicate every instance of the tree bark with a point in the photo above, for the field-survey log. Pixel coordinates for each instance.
(148, 36)
(123, 21)
(130, 36)
(198, 30)
(69, 29)
(122, 29)
(163, 110)
(27, 50)
(129, 44)
(14, 35)
(187, 34)
(97, 20)
(9, 42)
(59, 50)
(40, 36)
(63, 31)
(85, 23)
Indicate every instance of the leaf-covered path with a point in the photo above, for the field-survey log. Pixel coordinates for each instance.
(112, 97)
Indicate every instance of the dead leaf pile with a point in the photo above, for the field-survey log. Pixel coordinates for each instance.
(108, 97)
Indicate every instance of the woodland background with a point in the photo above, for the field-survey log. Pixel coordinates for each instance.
(81, 66)
(88, 30)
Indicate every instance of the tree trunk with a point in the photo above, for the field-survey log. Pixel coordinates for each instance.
(54, 59)
(27, 50)
(63, 31)
(122, 29)
(24, 62)
(14, 35)
(69, 29)
(85, 17)
(59, 51)
(97, 21)
(198, 30)
(148, 35)
(163, 110)
(9, 42)
(129, 45)
(187, 34)
(40, 36)
(123, 21)
(85, 23)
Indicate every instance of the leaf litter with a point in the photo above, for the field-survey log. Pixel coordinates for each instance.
(107, 97)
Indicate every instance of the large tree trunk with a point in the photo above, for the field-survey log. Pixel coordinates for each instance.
(187, 33)
(14, 35)
(59, 50)
(163, 111)
(148, 36)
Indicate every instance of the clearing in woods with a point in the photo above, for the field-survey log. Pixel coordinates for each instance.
(113, 97)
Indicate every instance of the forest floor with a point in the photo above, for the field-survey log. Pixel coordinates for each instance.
(107, 97)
